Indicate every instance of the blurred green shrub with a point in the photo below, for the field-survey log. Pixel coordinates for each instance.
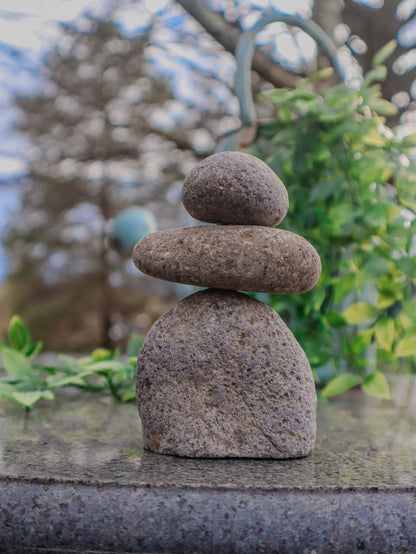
(25, 382)
(352, 190)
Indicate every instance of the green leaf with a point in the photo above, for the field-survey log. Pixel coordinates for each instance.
(128, 395)
(386, 298)
(407, 345)
(28, 399)
(375, 267)
(335, 319)
(101, 354)
(361, 341)
(134, 345)
(379, 73)
(359, 313)
(322, 191)
(70, 364)
(34, 349)
(385, 52)
(74, 380)
(15, 363)
(285, 115)
(340, 384)
(409, 140)
(384, 332)
(375, 217)
(320, 75)
(374, 138)
(407, 265)
(383, 107)
(408, 202)
(110, 365)
(343, 285)
(404, 321)
(18, 334)
(376, 385)
(342, 213)
(393, 212)
(6, 390)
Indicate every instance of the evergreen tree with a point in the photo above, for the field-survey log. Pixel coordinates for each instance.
(105, 133)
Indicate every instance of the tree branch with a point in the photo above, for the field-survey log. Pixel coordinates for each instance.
(227, 35)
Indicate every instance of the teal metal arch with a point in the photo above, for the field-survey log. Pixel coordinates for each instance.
(244, 57)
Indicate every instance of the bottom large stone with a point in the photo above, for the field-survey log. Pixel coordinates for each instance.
(221, 375)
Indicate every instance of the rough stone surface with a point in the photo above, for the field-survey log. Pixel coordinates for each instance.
(236, 257)
(221, 375)
(236, 188)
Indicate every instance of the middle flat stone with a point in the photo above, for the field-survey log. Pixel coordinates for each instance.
(236, 257)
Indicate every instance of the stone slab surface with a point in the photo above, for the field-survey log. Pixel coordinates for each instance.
(74, 478)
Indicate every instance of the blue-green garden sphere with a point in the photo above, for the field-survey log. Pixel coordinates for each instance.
(130, 226)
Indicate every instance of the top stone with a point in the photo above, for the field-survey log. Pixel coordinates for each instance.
(235, 188)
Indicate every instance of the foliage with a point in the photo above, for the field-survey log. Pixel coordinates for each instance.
(26, 382)
(351, 183)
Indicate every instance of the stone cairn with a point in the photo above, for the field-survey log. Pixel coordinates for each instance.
(220, 374)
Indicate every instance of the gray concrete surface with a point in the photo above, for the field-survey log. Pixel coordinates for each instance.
(74, 478)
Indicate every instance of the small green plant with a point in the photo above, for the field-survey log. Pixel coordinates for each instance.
(26, 382)
(352, 187)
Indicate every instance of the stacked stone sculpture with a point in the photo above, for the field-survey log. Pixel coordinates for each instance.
(221, 375)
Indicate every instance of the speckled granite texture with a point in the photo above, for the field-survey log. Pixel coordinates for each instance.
(74, 478)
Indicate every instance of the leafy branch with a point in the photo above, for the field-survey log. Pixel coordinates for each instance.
(351, 182)
(26, 382)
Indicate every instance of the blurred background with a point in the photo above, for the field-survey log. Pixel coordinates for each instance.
(106, 105)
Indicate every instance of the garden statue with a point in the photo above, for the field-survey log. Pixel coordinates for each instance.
(221, 375)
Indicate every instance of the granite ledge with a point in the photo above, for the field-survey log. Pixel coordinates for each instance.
(138, 519)
(74, 478)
